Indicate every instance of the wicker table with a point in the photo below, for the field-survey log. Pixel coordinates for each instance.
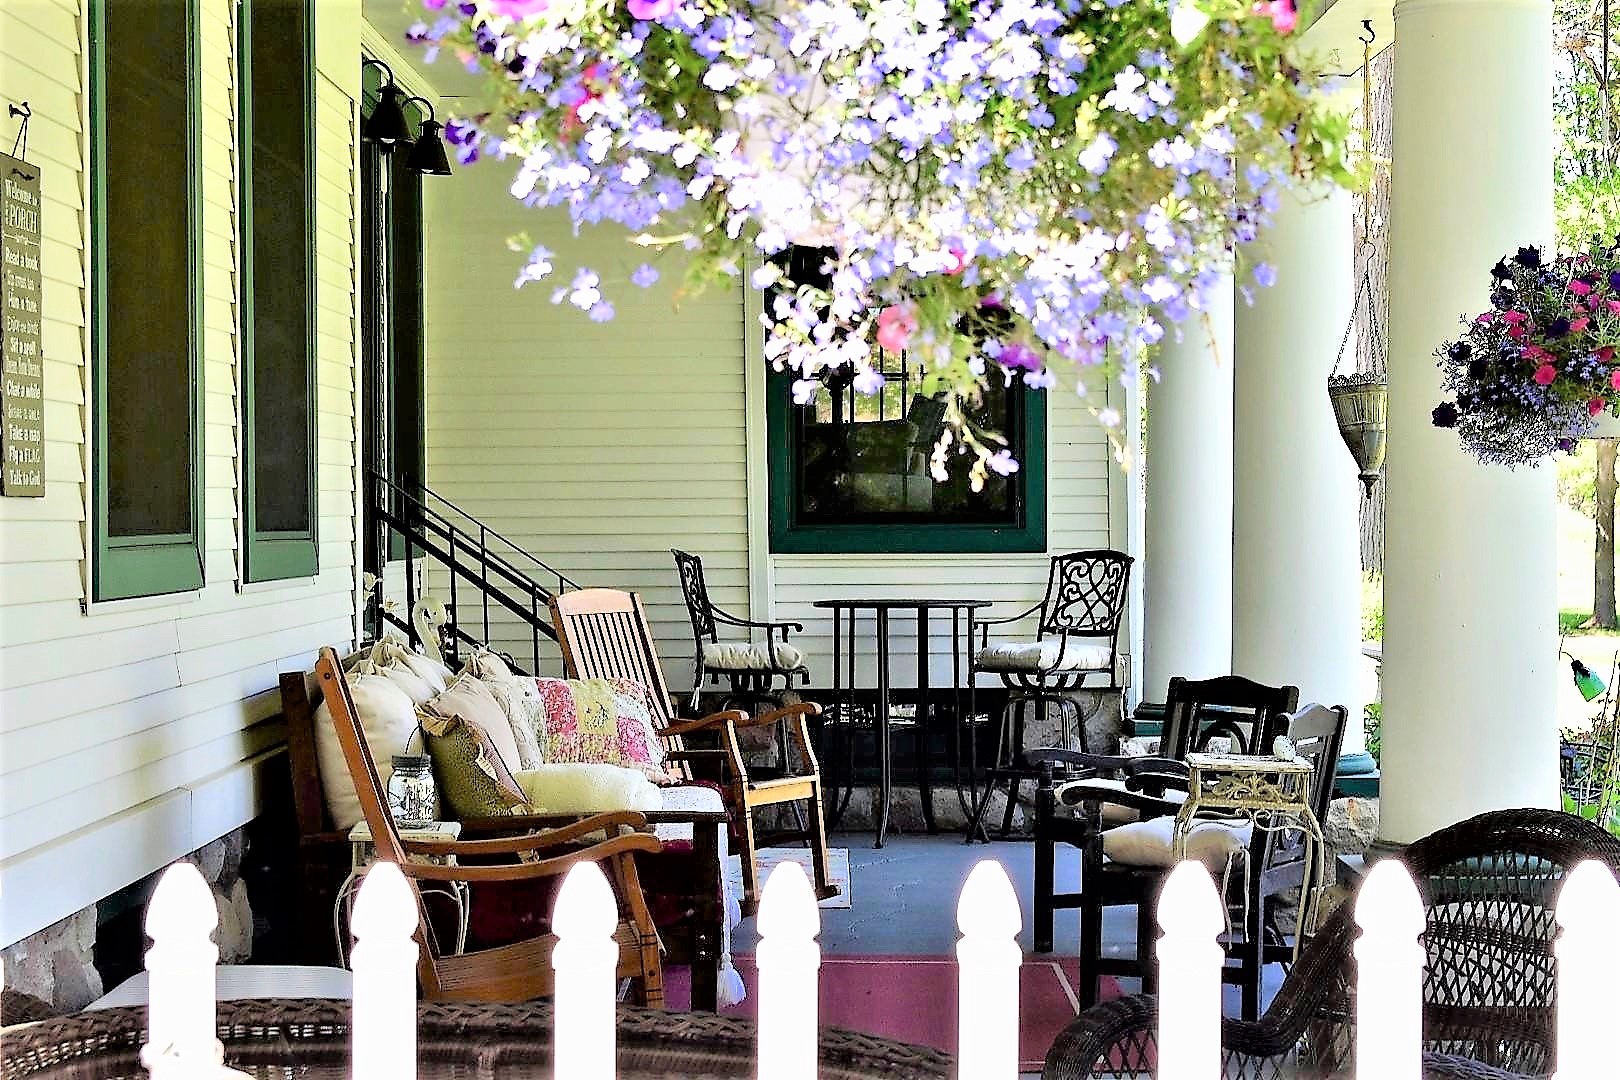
(310, 1039)
(1271, 792)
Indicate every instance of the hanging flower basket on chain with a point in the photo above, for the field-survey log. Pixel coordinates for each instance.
(1538, 371)
(1084, 166)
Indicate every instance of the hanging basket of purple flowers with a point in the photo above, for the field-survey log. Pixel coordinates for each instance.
(1539, 370)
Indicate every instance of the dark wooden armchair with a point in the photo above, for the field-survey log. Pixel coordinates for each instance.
(751, 667)
(520, 970)
(604, 635)
(1115, 790)
(1489, 885)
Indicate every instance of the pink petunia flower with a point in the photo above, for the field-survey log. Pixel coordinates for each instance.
(1535, 352)
(1517, 332)
(1545, 375)
(1614, 307)
(1486, 317)
(1577, 325)
(958, 262)
(1605, 354)
(1595, 406)
(1579, 287)
(1614, 379)
(518, 9)
(1514, 318)
(1282, 14)
(896, 324)
(653, 9)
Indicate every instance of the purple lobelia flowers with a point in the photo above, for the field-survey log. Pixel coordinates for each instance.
(1077, 160)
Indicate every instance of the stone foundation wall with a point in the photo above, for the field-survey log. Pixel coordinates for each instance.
(58, 965)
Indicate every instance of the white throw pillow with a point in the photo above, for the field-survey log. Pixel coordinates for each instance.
(577, 788)
(387, 719)
(416, 688)
(1149, 843)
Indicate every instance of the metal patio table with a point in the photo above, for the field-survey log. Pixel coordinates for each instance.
(844, 654)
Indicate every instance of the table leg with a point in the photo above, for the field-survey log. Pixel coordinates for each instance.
(885, 780)
(840, 714)
(923, 722)
(849, 718)
(707, 914)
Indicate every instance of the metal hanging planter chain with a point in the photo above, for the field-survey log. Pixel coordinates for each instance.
(1361, 400)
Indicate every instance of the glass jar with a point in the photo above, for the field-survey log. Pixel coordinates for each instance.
(413, 800)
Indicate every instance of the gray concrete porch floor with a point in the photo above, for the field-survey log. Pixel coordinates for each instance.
(905, 902)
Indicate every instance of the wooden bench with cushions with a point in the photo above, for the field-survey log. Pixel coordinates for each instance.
(685, 882)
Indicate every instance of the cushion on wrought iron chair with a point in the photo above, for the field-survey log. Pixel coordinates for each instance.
(1050, 654)
(747, 656)
(1152, 843)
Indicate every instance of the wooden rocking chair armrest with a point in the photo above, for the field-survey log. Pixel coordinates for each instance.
(775, 716)
(1163, 765)
(613, 847)
(1081, 793)
(1156, 783)
(687, 727)
(609, 823)
(693, 755)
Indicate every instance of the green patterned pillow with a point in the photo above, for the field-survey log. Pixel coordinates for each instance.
(472, 779)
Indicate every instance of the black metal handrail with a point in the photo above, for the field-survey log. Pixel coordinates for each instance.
(464, 548)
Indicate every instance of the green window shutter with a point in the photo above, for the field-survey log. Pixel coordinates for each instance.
(276, 162)
(146, 304)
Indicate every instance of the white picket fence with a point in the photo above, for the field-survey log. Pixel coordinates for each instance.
(181, 917)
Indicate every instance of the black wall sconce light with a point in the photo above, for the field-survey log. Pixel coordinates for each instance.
(427, 154)
(387, 127)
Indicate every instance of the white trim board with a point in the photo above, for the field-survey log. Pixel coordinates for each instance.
(46, 884)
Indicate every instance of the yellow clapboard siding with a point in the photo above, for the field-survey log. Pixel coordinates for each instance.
(136, 701)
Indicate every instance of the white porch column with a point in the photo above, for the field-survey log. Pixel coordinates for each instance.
(1296, 563)
(1187, 576)
(1470, 640)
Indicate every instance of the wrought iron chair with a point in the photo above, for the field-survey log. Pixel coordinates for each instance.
(1076, 639)
(1489, 981)
(752, 668)
(1116, 790)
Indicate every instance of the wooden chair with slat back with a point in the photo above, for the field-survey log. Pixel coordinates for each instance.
(604, 635)
(521, 970)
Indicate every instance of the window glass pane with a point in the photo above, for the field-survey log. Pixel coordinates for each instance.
(864, 459)
(281, 267)
(146, 294)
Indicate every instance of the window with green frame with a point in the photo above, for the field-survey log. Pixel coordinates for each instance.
(276, 109)
(851, 472)
(145, 335)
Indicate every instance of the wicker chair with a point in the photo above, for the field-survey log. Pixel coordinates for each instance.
(1489, 992)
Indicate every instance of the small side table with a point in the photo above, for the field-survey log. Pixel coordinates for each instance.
(362, 855)
(1273, 793)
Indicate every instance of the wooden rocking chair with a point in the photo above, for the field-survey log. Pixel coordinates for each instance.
(521, 970)
(604, 635)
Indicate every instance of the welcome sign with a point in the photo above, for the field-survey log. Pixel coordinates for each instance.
(22, 391)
